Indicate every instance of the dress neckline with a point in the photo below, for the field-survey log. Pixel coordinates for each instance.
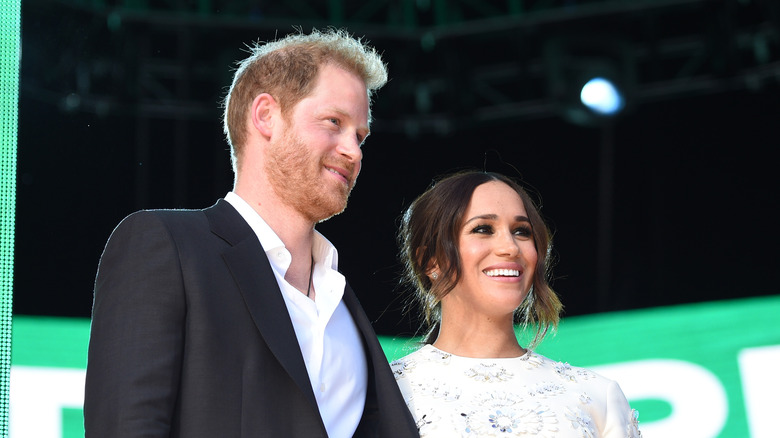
(432, 348)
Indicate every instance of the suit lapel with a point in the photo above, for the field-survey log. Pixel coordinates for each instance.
(253, 274)
(385, 413)
(359, 315)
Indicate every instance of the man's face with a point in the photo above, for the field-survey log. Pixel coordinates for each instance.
(314, 165)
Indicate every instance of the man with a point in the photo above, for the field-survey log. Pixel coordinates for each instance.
(233, 321)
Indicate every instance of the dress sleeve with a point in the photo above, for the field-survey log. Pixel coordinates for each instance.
(621, 420)
(137, 331)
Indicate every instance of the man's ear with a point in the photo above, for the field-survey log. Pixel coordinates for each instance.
(265, 112)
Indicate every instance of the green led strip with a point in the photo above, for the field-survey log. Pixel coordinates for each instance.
(9, 99)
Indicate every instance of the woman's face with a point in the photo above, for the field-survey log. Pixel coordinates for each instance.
(497, 252)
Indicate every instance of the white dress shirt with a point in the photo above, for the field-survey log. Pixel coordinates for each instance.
(327, 335)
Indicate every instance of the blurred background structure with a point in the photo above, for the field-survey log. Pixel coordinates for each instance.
(672, 200)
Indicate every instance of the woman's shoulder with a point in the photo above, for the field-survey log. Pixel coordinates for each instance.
(572, 373)
(426, 353)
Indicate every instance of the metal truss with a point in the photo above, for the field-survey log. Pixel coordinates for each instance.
(454, 64)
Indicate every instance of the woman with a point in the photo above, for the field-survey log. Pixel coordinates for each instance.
(477, 252)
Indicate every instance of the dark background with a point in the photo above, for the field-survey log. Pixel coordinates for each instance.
(673, 202)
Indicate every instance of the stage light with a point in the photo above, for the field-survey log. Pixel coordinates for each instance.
(601, 96)
(591, 79)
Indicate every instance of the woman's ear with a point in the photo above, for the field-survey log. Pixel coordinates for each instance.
(265, 112)
(431, 267)
(432, 270)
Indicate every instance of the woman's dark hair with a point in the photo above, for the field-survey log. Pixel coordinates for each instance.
(429, 234)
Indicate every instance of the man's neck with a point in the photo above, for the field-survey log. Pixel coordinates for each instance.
(292, 228)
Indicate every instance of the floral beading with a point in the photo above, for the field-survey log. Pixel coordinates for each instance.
(426, 421)
(504, 415)
(489, 373)
(632, 430)
(439, 356)
(566, 372)
(436, 389)
(546, 389)
(400, 368)
(528, 396)
(531, 360)
(581, 422)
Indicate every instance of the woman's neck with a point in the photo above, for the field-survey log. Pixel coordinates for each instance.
(479, 339)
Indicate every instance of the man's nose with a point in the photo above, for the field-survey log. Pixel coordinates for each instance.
(349, 147)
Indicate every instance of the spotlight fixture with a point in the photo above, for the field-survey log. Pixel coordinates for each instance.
(601, 96)
(590, 79)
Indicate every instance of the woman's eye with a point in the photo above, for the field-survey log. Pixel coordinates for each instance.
(523, 231)
(482, 229)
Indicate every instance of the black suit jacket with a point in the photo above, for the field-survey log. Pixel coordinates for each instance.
(191, 338)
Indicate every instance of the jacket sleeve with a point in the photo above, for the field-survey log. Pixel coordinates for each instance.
(137, 332)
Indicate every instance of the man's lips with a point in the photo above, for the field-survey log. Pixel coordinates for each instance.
(340, 172)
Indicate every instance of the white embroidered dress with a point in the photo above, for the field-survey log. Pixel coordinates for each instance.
(528, 396)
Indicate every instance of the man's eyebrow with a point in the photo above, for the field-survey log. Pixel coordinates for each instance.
(347, 115)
